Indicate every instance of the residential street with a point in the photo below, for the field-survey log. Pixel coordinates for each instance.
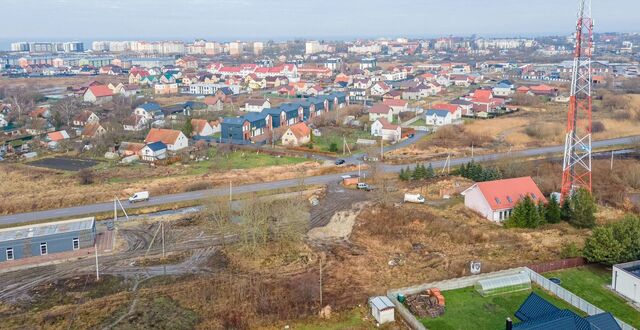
(322, 179)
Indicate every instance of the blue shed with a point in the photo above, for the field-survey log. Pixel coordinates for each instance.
(46, 238)
(232, 129)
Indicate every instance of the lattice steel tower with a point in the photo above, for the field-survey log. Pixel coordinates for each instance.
(576, 170)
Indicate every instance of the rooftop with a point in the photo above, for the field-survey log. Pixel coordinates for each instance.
(45, 229)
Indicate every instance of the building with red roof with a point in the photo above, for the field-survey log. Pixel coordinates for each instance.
(495, 200)
(174, 139)
(455, 110)
(98, 94)
(397, 105)
(296, 135)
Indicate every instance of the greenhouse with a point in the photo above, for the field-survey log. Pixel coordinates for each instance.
(503, 284)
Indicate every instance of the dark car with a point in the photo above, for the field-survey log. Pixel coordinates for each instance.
(340, 161)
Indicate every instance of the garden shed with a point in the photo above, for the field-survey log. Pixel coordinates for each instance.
(503, 284)
(382, 309)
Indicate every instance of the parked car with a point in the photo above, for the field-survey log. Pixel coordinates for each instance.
(340, 161)
(139, 197)
(363, 186)
(413, 198)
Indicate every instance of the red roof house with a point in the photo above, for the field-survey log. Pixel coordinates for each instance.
(495, 200)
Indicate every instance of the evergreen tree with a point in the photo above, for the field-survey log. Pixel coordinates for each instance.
(603, 246)
(583, 209)
(408, 173)
(187, 129)
(417, 172)
(524, 215)
(552, 212)
(565, 211)
(430, 173)
(402, 174)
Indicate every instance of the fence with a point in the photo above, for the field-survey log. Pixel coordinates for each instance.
(467, 281)
(558, 264)
(569, 297)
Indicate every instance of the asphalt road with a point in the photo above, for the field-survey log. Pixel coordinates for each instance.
(248, 188)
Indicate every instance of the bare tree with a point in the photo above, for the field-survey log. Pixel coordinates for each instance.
(21, 101)
(67, 107)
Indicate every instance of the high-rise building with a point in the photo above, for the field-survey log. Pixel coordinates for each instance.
(20, 47)
(258, 47)
(235, 48)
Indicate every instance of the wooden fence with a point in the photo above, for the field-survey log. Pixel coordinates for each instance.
(558, 264)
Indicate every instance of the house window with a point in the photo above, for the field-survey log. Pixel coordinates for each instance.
(43, 249)
(9, 253)
(76, 243)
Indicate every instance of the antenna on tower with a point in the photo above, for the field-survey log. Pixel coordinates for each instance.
(576, 169)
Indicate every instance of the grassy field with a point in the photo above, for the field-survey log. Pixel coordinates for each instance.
(589, 282)
(241, 160)
(465, 307)
(419, 122)
(328, 137)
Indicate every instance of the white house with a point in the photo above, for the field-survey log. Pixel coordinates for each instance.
(381, 111)
(296, 135)
(3, 122)
(201, 127)
(256, 105)
(98, 94)
(386, 130)
(382, 309)
(397, 106)
(625, 280)
(379, 89)
(438, 117)
(85, 117)
(495, 200)
(503, 89)
(175, 140)
(154, 151)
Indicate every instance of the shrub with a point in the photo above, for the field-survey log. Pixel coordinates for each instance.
(583, 209)
(85, 176)
(333, 147)
(569, 250)
(597, 127)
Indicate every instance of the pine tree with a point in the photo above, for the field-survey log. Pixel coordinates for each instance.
(430, 173)
(187, 129)
(524, 215)
(408, 173)
(417, 173)
(552, 212)
(565, 211)
(583, 209)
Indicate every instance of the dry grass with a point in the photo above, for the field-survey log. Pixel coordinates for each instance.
(27, 188)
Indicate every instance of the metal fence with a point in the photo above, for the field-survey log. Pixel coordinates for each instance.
(569, 297)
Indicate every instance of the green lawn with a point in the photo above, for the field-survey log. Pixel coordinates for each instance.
(466, 307)
(323, 142)
(419, 122)
(241, 160)
(589, 283)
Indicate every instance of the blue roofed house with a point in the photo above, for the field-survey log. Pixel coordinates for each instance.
(150, 111)
(278, 116)
(235, 130)
(154, 151)
(536, 313)
(319, 106)
(308, 109)
(259, 125)
(294, 113)
(503, 89)
(438, 117)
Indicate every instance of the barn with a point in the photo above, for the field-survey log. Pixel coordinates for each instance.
(46, 238)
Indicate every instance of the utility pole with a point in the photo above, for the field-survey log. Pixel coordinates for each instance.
(162, 225)
(472, 150)
(230, 192)
(381, 149)
(611, 160)
(358, 169)
(95, 244)
(321, 281)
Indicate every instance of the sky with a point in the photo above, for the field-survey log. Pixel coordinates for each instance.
(225, 20)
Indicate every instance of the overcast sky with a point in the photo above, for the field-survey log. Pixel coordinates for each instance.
(280, 19)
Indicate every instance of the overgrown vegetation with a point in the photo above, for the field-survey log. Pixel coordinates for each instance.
(579, 211)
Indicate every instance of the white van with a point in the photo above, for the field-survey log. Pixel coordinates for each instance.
(413, 198)
(139, 197)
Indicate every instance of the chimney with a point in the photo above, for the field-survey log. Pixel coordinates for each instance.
(509, 324)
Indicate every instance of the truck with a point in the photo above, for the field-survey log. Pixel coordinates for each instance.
(413, 198)
(139, 197)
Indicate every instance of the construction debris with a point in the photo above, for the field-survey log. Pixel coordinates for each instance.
(429, 303)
